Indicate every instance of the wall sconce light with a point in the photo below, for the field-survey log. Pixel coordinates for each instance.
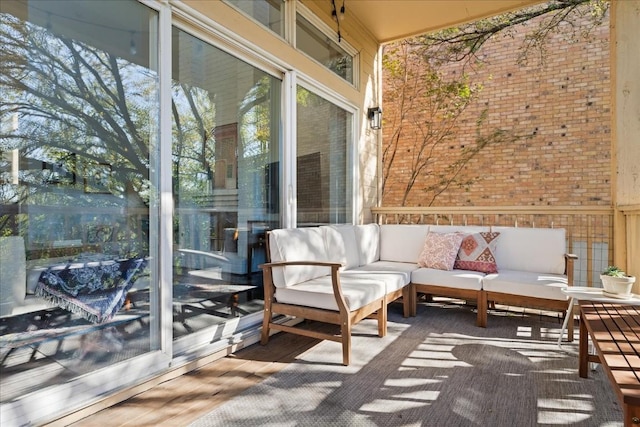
(374, 115)
(337, 16)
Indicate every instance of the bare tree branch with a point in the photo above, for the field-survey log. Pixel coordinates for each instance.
(461, 44)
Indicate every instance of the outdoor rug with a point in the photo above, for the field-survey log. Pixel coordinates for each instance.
(435, 369)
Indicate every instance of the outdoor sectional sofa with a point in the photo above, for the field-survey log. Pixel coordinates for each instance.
(341, 274)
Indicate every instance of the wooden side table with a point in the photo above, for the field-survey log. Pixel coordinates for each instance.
(615, 334)
(581, 293)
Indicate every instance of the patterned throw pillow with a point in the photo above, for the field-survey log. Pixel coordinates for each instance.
(440, 250)
(477, 253)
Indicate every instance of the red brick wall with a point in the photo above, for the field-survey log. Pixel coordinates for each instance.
(563, 106)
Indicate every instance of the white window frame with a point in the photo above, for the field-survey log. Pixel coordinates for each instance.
(331, 34)
(352, 146)
(286, 28)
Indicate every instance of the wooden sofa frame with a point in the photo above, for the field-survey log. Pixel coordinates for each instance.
(343, 318)
(486, 298)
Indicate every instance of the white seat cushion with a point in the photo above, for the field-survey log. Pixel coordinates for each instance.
(318, 293)
(395, 275)
(404, 268)
(459, 279)
(526, 284)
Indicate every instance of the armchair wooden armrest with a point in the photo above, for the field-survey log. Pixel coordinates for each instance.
(335, 278)
(270, 265)
(344, 317)
(569, 259)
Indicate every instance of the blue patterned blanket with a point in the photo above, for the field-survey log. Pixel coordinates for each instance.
(94, 290)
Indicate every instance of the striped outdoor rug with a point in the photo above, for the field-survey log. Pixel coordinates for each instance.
(436, 369)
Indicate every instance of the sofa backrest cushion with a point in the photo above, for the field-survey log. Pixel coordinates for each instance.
(368, 240)
(297, 244)
(538, 250)
(467, 229)
(402, 242)
(341, 245)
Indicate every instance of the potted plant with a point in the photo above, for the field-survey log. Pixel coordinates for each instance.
(616, 281)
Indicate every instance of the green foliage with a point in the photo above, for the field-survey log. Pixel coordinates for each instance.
(614, 271)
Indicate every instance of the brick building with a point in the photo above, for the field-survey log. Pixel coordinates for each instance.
(561, 110)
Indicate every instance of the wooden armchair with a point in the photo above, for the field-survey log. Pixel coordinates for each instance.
(314, 289)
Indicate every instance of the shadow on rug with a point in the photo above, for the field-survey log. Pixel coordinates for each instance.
(436, 369)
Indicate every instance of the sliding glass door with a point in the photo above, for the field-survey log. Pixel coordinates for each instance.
(226, 121)
(78, 215)
(324, 172)
(96, 277)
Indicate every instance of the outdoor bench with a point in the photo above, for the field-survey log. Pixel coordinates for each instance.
(342, 274)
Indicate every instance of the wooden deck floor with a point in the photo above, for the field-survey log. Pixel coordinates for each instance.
(182, 400)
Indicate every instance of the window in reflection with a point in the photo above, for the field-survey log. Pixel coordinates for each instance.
(269, 13)
(321, 47)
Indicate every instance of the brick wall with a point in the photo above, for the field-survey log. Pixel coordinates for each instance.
(561, 106)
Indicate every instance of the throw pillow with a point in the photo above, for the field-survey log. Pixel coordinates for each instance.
(477, 253)
(440, 250)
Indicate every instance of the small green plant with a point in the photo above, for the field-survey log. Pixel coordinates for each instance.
(614, 271)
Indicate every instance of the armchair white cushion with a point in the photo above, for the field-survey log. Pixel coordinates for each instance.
(368, 240)
(297, 244)
(341, 245)
(358, 291)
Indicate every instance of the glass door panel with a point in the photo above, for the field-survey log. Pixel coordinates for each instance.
(323, 169)
(79, 120)
(226, 118)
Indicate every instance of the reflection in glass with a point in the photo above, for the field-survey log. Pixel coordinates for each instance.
(323, 164)
(77, 198)
(226, 182)
(317, 45)
(269, 13)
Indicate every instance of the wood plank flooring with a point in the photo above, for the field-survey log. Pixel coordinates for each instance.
(182, 400)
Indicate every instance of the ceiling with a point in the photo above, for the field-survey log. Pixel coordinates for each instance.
(390, 20)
